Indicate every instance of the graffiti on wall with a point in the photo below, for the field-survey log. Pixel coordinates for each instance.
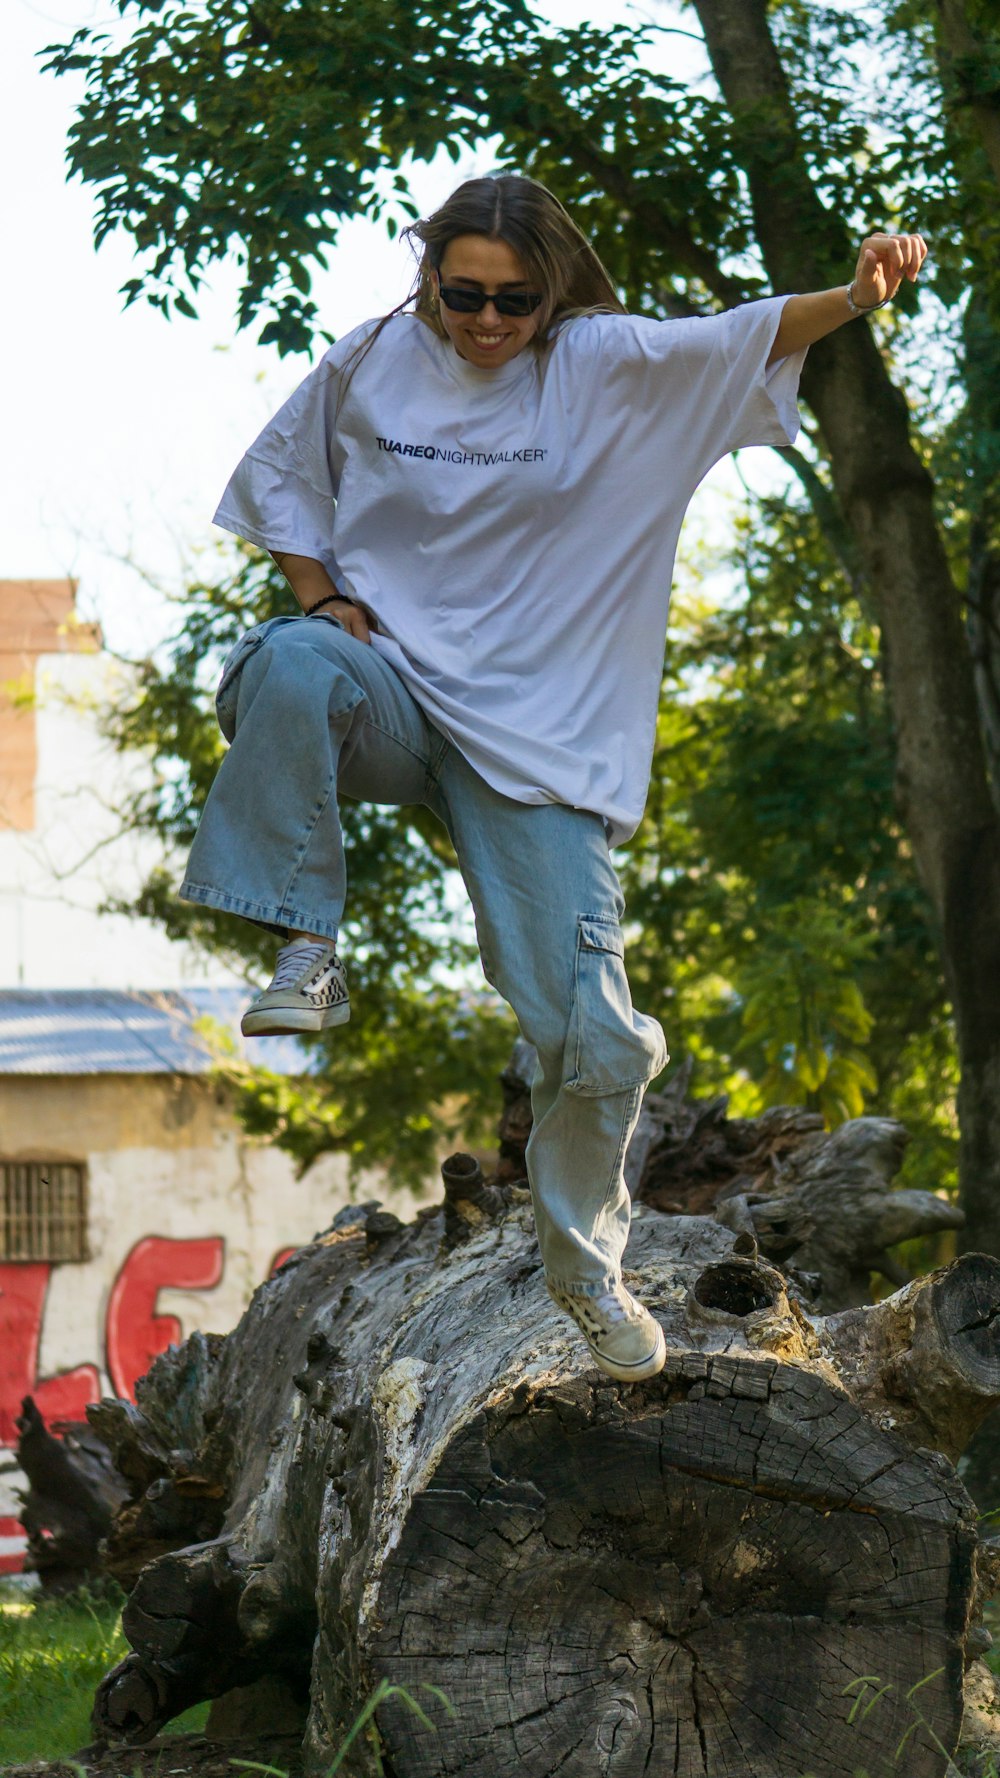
(23, 1288)
(134, 1334)
(133, 1331)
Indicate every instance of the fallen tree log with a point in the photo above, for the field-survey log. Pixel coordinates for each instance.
(72, 1495)
(757, 1565)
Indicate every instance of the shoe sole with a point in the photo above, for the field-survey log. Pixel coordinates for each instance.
(289, 1021)
(641, 1369)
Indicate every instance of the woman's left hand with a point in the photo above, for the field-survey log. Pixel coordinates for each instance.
(883, 262)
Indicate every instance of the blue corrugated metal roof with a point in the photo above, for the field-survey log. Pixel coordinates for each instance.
(111, 1031)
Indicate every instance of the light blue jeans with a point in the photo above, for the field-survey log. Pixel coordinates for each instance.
(308, 708)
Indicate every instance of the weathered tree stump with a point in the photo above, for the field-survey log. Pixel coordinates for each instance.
(417, 1475)
(73, 1493)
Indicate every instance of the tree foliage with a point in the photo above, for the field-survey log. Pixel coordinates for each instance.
(771, 887)
(777, 910)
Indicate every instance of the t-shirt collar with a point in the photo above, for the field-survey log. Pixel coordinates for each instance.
(470, 376)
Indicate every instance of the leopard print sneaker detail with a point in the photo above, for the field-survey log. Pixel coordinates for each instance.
(308, 992)
(626, 1342)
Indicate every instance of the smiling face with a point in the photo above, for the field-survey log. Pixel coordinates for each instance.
(476, 262)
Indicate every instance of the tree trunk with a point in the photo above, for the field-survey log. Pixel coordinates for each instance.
(967, 63)
(886, 496)
(966, 56)
(422, 1480)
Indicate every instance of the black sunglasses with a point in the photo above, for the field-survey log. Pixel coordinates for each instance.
(506, 302)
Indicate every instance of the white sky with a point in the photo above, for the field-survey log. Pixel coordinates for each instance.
(121, 428)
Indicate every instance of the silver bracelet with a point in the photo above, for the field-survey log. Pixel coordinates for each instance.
(863, 308)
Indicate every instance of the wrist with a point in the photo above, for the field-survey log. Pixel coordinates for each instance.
(857, 308)
(327, 599)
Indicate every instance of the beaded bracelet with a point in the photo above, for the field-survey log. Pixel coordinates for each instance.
(328, 599)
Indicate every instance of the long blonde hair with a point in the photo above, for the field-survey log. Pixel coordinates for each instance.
(558, 259)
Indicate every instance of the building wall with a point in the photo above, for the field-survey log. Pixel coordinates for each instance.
(186, 1217)
(37, 617)
(62, 782)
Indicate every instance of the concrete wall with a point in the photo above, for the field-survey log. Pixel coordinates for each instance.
(62, 783)
(37, 617)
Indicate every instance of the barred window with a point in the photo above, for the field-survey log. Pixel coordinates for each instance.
(43, 1210)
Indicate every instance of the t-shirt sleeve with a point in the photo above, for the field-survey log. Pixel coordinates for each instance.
(283, 495)
(760, 403)
(709, 376)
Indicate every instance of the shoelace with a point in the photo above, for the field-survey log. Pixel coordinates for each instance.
(601, 1311)
(293, 962)
(613, 1308)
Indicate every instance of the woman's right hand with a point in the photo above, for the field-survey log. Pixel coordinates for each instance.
(351, 616)
(314, 588)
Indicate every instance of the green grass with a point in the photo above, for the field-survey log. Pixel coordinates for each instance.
(53, 1652)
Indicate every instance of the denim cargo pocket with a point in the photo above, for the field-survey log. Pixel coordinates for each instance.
(609, 1047)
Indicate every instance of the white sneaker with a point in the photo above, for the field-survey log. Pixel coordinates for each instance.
(627, 1343)
(307, 993)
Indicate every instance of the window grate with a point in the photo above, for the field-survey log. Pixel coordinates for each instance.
(43, 1211)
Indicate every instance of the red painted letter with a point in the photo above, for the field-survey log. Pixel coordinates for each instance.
(22, 1299)
(12, 1546)
(136, 1334)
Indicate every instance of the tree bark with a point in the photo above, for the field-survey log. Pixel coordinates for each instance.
(823, 1205)
(73, 1494)
(886, 495)
(422, 1480)
(965, 55)
(972, 109)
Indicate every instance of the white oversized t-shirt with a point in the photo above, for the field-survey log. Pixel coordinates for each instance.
(513, 531)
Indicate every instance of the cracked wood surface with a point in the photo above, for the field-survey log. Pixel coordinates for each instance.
(419, 1477)
(680, 1579)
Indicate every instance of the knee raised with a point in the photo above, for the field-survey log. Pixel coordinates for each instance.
(297, 661)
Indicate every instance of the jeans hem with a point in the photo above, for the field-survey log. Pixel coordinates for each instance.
(279, 918)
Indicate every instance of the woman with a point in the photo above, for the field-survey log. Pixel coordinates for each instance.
(476, 502)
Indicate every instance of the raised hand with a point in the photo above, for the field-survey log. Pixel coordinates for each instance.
(883, 262)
